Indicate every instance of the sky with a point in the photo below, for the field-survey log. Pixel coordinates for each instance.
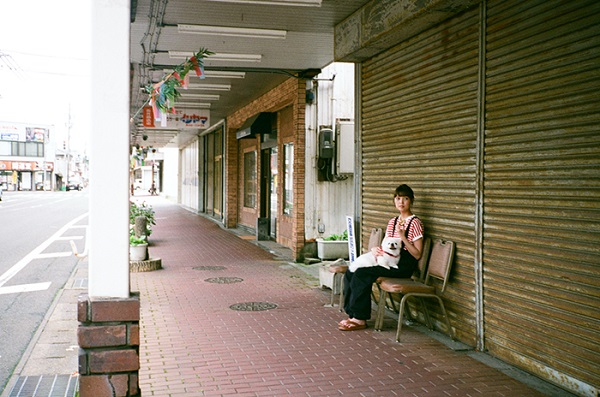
(44, 66)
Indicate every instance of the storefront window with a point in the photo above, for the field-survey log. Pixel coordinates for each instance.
(250, 179)
(5, 148)
(288, 176)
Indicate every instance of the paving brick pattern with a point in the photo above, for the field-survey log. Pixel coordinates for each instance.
(193, 344)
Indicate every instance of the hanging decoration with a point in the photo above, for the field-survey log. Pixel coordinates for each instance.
(162, 95)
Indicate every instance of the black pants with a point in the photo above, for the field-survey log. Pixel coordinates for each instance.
(358, 285)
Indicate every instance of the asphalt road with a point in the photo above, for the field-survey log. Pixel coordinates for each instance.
(36, 259)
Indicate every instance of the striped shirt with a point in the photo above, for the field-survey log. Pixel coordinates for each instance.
(414, 233)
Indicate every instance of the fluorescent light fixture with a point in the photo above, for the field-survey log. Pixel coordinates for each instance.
(218, 57)
(192, 105)
(220, 74)
(234, 32)
(224, 74)
(307, 3)
(210, 87)
(204, 97)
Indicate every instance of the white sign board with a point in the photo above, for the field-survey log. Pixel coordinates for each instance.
(351, 238)
(184, 119)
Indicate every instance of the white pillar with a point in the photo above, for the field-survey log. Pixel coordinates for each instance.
(109, 150)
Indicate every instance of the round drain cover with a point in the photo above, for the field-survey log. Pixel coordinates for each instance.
(253, 306)
(209, 268)
(224, 280)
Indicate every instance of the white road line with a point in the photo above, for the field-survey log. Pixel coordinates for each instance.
(53, 255)
(67, 238)
(16, 268)
(15, 289)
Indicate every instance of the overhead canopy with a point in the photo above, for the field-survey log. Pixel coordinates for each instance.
(260, 123)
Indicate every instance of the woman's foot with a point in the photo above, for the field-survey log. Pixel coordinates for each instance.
(352, 324)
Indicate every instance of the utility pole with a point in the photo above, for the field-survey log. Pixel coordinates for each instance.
(68, 154)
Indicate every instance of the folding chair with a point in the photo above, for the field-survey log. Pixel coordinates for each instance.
(339, 270)
(419, 273)
(440, 263)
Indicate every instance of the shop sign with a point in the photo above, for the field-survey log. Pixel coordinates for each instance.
(35, 134)
(148, 117)
(185, 119)
(351, 238)
(24, 166)
(12, 132)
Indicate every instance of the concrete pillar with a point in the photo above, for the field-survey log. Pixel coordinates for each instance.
(109, 150)
(108, 332)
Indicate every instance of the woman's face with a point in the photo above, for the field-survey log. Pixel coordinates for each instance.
(402, 203)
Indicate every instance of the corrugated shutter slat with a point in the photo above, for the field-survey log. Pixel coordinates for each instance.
(542, 186)
(419, 126)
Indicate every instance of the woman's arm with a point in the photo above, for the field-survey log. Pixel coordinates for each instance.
(415, 248)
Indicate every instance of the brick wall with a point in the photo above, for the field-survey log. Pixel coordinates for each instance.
(109, 337)
(292, 93)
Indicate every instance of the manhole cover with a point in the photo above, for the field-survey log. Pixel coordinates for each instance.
(209, 268)
(224, 280)
(253, 306)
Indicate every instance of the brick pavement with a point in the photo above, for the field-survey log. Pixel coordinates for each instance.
(194, 344)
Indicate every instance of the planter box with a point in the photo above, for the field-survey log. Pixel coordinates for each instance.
(138, 252)
(332, 249)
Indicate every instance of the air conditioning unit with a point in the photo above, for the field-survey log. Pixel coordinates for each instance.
(345, 146)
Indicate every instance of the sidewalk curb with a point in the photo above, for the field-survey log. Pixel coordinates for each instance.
(12, 381)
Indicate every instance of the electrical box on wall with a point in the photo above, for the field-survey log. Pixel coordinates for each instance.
(345, 146)
(326, 144)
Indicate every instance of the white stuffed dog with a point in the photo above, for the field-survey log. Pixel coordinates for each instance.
(390, 258)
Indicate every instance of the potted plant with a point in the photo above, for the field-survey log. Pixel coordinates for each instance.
(141, 219)
(138, 248)
(333, 247)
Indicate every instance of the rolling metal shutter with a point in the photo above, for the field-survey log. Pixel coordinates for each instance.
(419, 126)
(542, 188)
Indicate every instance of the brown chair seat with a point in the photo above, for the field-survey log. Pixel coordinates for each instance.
(405, 286)
(438, 267)
(338, 268)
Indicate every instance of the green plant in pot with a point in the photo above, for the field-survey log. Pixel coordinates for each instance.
(138, 247)
(135, 240)
(337, 237)
(333, 246)
(141, 219)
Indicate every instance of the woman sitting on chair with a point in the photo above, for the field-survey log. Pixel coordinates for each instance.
(358, 285)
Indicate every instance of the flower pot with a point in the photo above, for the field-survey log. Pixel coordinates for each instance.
(138, 252)
(332, 249)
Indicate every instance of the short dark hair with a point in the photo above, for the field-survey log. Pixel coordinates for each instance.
(405, 190)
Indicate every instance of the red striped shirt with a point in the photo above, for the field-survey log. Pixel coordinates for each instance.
(414, 233)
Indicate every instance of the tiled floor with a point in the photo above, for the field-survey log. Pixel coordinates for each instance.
(194, 344)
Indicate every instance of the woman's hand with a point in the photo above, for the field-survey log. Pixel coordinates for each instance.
(400, 231)
(376, 251)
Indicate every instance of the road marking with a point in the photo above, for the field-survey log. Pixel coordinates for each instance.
(53, 255)
(17, 267)
(15, 289)
(70, 238)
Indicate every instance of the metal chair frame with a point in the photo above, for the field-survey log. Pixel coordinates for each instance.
(421, 269)
(439, 266)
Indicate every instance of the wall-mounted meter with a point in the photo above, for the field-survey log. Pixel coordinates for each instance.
(326, 143)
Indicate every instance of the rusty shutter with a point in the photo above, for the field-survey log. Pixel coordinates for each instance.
(419, 126)
(542, 188)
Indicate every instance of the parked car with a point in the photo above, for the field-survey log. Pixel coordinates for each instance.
(73, 186)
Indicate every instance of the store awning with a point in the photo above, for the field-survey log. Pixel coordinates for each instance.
(260, 123)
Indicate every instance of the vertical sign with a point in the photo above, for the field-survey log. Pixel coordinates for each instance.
(351, 239)
(148, 116)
